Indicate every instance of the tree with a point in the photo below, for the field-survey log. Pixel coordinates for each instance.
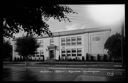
(114, 45)
(26, 46)
(7, 50)
(31, 15)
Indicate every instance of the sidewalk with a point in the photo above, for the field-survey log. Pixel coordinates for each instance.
(67, 64)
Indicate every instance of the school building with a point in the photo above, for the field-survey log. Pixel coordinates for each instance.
(70, 44)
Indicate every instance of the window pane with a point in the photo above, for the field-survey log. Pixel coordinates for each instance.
(73, 38)
(79, 38)
(68, 43)
(62, 43)
(68, 54)
(68, 39)
(41, 55)
(79, 50)
(62, 51)
(79, 43)
(73, 54)
(73, 50)
(68, 51)
(62, 39)
(63, 55)
(79, 54)
(73, 43)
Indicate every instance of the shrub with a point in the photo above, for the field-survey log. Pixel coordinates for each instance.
(26, 46)
(92, 58)
(87, 57)
(83, 59)
(7, 50)
(98, 57)
(110, 58)
(106, 57)
(119, 59)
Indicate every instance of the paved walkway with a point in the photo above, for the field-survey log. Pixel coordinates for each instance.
(67, 64)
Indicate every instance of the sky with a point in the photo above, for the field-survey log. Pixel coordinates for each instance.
(91, 16)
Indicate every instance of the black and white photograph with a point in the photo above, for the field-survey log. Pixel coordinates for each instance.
(44, 40)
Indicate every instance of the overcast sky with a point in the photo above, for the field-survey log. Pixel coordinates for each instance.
(91, 16)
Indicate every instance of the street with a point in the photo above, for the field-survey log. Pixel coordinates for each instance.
(54, 73)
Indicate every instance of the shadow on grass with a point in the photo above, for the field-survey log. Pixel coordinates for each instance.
(6, 74)
(28, 75)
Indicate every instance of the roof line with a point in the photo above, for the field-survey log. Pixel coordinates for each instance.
(78, 31)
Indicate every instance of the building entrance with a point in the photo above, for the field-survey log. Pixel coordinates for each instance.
(51, 54)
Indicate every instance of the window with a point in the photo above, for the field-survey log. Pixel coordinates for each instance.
(79, 40)
(63, 41)
(79, 51)
(73, 39)
(51, 41)
(73, 52)
(68, 52)
(41, 55)
(79, 43)
(63, 52)
(63, 55)
(68, 41)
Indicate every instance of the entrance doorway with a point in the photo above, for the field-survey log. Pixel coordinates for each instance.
(51, 54)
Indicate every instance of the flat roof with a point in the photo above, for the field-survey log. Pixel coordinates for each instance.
(75, 32)
(78, 31)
